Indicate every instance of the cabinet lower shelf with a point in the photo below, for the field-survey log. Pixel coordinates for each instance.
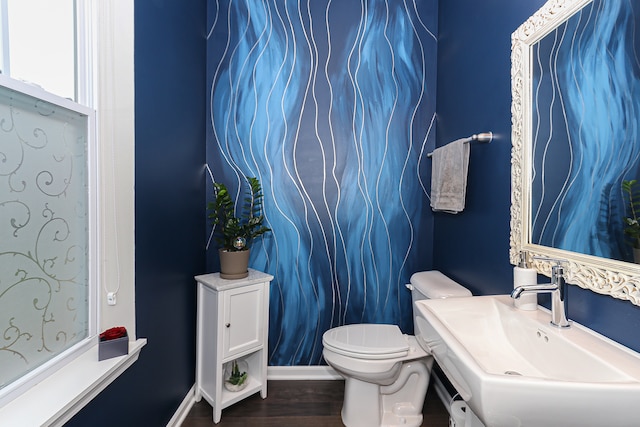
(228, 398)
(231, 397)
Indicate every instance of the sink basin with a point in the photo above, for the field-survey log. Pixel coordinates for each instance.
(514, 369)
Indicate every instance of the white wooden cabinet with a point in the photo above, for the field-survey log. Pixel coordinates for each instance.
(233, 323)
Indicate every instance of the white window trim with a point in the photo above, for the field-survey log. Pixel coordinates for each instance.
(58, 398)
(4, 40)
(115, 106)
(64, 393)
(86, 23)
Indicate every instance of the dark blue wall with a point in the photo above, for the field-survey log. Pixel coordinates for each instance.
(474, 95)
(170, 150)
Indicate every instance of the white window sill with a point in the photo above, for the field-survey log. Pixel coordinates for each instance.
(58, 398)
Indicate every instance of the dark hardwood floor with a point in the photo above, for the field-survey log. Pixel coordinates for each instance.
(296, 404)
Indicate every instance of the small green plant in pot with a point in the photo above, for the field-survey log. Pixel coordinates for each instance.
(236, 227)
(632, 226)
(237, 377)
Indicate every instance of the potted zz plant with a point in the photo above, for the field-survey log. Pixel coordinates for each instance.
(236, 227)
(632, 226)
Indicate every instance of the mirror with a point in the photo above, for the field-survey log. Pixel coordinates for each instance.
(575, 81)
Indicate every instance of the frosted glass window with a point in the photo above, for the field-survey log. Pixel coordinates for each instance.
(45, 224)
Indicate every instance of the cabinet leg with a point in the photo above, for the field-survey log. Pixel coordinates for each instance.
(263, 392)
(217, 414)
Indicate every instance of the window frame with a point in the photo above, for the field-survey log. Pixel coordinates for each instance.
(4, 42)
(107, 51)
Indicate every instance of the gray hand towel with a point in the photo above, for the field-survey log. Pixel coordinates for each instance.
(449, 176)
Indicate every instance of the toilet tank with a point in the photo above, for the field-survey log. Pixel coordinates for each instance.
(434, 285)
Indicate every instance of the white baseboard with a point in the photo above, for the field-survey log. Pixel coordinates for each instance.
(302, 373)
(184, 408)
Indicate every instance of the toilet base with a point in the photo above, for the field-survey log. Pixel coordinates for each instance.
(399, 404)
(362, 413)
(393, 420)
(389, 419)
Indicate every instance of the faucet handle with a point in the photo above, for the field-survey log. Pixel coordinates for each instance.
(557, 274)
(557, 270)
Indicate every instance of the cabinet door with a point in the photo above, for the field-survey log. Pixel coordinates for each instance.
(243, 319)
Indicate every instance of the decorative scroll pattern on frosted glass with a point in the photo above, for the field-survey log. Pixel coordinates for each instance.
(586, 137)
(43, 232)
(331, 104)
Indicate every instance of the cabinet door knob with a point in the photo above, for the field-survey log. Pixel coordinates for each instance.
(227, 324)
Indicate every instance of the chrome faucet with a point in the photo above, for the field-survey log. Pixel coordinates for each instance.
(558, 290)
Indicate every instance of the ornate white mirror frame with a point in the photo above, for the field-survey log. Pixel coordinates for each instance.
(610, 277)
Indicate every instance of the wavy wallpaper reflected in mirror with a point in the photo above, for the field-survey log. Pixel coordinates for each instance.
(586, 130)
(331, 104)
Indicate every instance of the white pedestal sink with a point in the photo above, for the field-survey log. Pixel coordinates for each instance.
(514, 369)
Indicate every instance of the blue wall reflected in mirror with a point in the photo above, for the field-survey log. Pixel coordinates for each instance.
(586, 130)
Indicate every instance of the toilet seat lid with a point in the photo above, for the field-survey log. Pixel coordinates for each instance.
(367, 341)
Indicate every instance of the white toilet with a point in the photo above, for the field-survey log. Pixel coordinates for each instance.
(386, 372)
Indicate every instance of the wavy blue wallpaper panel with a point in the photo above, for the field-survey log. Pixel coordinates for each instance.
(586, 89)
(331, 104)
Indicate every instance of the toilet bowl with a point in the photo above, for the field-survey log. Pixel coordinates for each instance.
(386, 372)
